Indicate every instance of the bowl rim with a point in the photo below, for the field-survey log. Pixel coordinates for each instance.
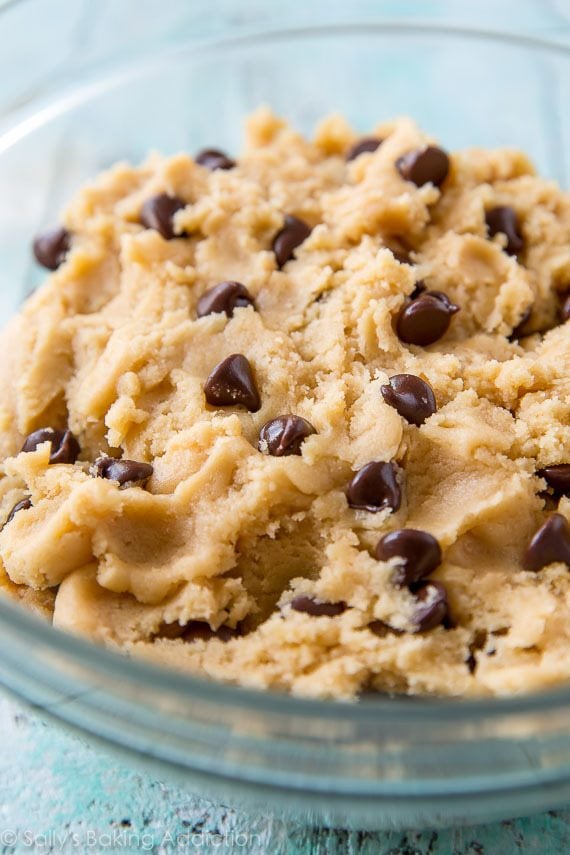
(33, 630)
(32, 113)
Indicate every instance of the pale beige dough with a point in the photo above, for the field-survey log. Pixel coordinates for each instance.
(111, 346)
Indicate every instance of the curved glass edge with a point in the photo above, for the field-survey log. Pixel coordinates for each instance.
(31, 113)
(17, 622)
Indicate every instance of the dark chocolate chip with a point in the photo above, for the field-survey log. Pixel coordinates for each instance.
(286, 241)
(424, 165)
(374, 487)
(52, 246)
(129, 473)
(201, 630)
(519, 330)
(284, 435)
(550, 544)
(399, 248)
(158, 213)
(195, 630)
(315, 608)
(401, 255)
(557, 477)
(22, 505)
(426, 319)
(420, 551)
(411, 397)
(503, 219)
(368, 144)
(224, 297)
(419, 288)
(232, 383)
(432, 608)
(565, 308)
(64, 446)
(381, 629)
(213, 158)
(478, 643)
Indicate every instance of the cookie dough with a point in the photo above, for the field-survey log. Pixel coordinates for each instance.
(301, 420)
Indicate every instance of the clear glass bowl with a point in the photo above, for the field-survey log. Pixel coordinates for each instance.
(184, 80)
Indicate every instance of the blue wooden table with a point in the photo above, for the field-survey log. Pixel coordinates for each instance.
(59, 794)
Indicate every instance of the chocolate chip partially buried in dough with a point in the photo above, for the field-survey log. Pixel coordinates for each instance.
(224, 297)
(64, 446)
(503, 220)
(286, 241)
(316, 608)
(213, 158)
(363, 146)
(129, 473)
(382, 629)
(196, 630)
(284, 435)
(411, 397)
(550, 544)
(22, 505)
(374, 487)
(158, 213)
(557, 477)
(428, 164)
(232, 383)
(426, 319)
(432, 608)
(519, 331)
(420, 551)
(52, 246)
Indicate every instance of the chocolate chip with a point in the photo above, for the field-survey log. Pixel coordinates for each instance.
(52, 246)
(224, 297)
(565, 309)
(419, 288)
(316, 608)
(195, 630)
(420, 551)
(550, 543)
(519, 331)
(400, 255)
(432, 609)
(201, 630)
(411, 397)
(426, 319)
(557, 477)
(284, 435)
(232, 383)
(368, 144)
(129, 473)
(503, 219)
(478, 643)
(424, 165)
(158, 213)
(399, 248)
(64, 446)
(381, 629)
(286, 241)
(22, 505)
(213, 158)
(374, 487)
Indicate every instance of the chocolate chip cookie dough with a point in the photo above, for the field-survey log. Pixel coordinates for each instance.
(301, 420)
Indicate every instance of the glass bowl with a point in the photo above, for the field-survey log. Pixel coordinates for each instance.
(181, 79)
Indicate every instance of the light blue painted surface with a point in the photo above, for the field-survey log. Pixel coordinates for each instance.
(57, 793)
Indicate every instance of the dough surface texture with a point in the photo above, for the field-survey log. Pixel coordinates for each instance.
(198, 568)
